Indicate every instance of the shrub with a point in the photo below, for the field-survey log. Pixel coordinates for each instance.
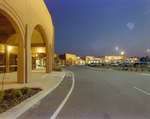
(148, 68)
(57, 69)
(15, 93)
(142, 69)
(136, 68)
(1, 95)
(86, 64)
(9, 90)
(25, 90)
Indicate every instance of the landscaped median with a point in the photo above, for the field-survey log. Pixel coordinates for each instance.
(129, 68)
(12, 97)
(57, 69)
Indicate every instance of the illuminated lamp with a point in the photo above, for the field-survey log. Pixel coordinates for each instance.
(9, 47)
(40, 50)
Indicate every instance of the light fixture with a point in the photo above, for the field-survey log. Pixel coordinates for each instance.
(122, 53)
(40, 50)
(9, 47)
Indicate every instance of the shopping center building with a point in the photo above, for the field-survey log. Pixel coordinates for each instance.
(119, 59)
(72, 59)
(26, 37)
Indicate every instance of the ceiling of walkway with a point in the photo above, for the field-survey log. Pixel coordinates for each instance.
(5, 25)
(37, 39)
(8, 34)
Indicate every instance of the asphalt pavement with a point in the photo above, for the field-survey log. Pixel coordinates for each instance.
(97, 94)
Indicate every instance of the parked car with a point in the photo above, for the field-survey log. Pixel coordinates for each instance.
(95, 64)
(140, 64)
(124, 64)
(99, 64)
(114, 64)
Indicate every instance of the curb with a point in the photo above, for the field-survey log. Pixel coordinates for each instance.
(19, 109)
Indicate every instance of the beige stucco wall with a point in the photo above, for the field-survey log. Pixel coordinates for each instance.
(56, 55)
(2, 49)
(70, 56)
(13, 50)
(25, 15)
(70, 59)
(37, 50)
(89, 58)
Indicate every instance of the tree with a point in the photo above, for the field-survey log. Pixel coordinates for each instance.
(56, 61)
(144, 59)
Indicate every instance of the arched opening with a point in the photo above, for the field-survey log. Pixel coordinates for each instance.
(8, 46)
(38, 48)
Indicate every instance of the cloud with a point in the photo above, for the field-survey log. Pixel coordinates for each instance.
(130, 25)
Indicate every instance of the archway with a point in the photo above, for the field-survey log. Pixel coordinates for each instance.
(10, 47)
(38, 47)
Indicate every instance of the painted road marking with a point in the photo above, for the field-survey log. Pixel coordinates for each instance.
(65, 100)
(68, 74)
(44, 76)
(142, 91)
(145, 74)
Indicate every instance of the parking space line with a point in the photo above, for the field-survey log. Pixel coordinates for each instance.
(145, 74)
(142, 90)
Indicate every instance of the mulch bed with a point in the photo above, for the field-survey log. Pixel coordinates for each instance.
(8, 103)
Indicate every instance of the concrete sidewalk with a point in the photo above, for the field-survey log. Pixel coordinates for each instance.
(46, 81)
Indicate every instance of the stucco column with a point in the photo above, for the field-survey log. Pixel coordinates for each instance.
(40, 62)
(48, 59)
(35, 61)
(53, 49)
(21, 63)
(28, 57)
(7, 58)
(28, 64)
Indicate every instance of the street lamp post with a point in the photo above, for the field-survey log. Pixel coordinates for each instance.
(110, 59)
(123, 54)
(148, 53)
(116, 50)
(116, 54)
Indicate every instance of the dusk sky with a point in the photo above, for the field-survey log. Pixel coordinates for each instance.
(97, 27)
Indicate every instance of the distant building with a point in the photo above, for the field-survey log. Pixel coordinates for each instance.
(80, 61)
(98, 60)
(133, 60)
(113, 59)
(58, 61)
(88, 59)
(70, 59)
(119, 59)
